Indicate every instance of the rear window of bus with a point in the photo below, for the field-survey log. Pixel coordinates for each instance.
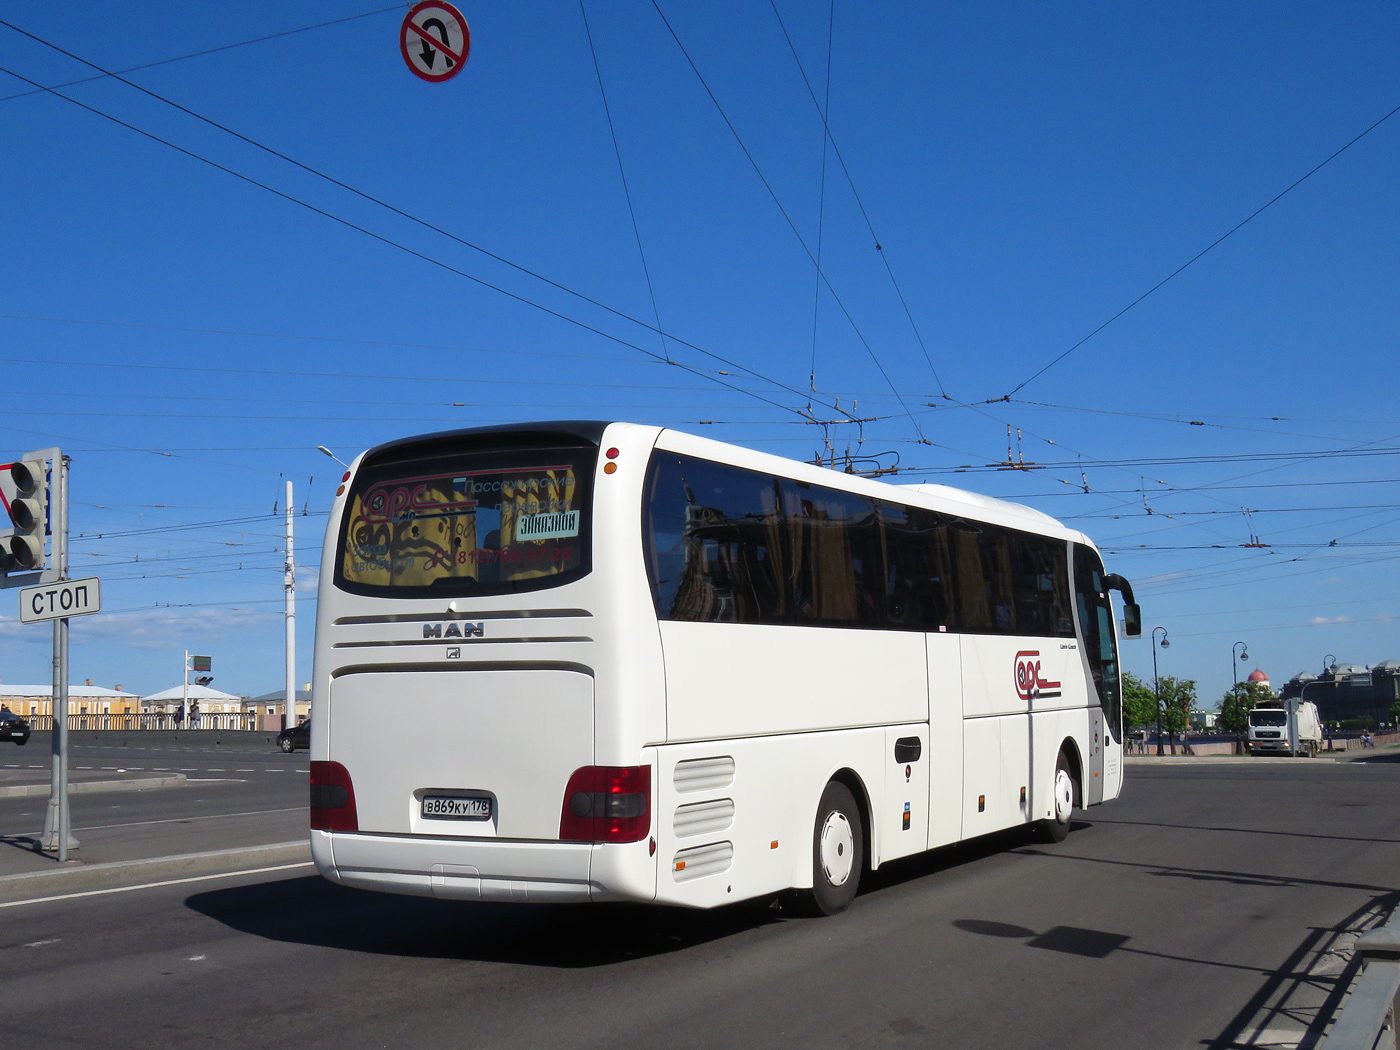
(478, 519)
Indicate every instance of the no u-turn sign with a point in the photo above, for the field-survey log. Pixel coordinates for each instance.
(435, 40)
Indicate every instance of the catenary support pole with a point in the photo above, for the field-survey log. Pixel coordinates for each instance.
(289, 588)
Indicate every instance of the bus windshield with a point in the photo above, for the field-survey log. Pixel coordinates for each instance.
(478, 521)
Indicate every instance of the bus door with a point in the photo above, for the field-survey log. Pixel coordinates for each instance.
(1103, 775)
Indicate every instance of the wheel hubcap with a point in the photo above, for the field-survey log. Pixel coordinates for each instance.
(837, 848)
(1064, 795)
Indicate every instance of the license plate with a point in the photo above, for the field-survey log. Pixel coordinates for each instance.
(456, 807)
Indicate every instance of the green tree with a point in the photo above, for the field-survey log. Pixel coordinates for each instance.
(1394, 713)
(1139, 705)
(1178, 696)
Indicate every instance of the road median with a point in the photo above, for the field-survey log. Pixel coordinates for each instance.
(33, 886)
(94, 787)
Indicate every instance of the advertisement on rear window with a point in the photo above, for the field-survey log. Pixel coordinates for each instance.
(464, 531)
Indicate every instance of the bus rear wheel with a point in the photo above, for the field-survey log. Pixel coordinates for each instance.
(1063, 792)
(838, 853)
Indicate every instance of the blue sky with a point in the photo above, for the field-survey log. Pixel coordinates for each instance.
(1029, 171)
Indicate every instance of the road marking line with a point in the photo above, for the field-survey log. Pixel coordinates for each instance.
(154, 885)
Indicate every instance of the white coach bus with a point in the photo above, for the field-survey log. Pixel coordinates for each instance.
(588, 661)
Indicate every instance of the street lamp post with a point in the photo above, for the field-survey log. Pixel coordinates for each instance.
(1328, 661)
(1156, 682)
(1244, 655)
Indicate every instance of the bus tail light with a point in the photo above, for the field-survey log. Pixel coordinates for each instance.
(332, 798)
(607, 804)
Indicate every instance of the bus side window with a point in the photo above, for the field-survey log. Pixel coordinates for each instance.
(918, 567)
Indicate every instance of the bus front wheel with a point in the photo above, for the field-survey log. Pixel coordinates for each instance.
(1057, 827)
(838, 852)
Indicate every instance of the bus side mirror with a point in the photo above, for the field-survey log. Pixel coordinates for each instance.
(1132, 615)
(1132, 620)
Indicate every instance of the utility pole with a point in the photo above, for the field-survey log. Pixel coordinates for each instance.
(289, 589)
(183, 720)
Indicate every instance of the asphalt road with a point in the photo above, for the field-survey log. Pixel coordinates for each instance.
(234, 796)
(1209, 906)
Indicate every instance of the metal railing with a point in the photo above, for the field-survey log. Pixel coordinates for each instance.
(1367, 1022)
(206, 720)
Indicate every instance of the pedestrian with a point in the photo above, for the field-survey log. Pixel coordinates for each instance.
(5, 709)
(179, 716)
(194, 714)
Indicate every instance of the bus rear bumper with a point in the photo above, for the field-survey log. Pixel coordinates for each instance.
(456, 869)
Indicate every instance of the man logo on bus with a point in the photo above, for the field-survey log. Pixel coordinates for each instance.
(1029, 684)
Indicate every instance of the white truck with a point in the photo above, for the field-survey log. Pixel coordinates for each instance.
(1269, 727)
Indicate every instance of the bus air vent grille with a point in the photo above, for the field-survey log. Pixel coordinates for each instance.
(703, 818)
(704, 774)
(699, 861)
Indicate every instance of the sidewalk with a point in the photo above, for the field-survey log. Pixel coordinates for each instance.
(1390, 753)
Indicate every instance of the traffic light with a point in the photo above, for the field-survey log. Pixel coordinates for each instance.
(25, 493)
(204, 679)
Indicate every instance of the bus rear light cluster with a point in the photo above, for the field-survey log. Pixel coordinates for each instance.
(332, 798)
(607, 804)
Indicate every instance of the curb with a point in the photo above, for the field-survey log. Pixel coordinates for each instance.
(1201, 760)
(79, 877)
(95, 787)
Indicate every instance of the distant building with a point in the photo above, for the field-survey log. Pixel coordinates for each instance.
(1258, 677)
(211, 701)
(1349, 691)
(272, 706)
(27, 700)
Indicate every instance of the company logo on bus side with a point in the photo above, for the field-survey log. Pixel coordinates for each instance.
(1029, 684)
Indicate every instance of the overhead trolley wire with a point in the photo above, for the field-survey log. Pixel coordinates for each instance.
(410, 251)
(211, 50)
(397, 343)
(1212, 245)
(824, 112)
(403, 214)
(788, 218)
(622, 174)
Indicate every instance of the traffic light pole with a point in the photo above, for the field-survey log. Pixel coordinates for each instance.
(58, 825)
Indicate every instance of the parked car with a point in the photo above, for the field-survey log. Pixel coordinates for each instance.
(12, 727)
(290, 740)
